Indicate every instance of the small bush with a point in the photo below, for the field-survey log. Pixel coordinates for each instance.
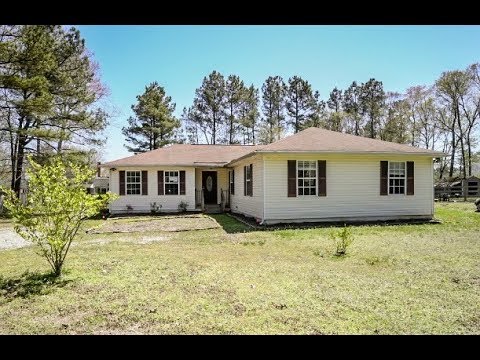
(182, 206)
(342, 239)
(154, 207)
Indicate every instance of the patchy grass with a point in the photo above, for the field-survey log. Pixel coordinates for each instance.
(159, 223)
(395, 279)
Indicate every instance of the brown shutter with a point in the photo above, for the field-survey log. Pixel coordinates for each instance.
(383, 177)
(244, 181)
(232, 190)
(121, 184)
(250, 189)
(144, 182)
(410, 178)
(322, 178)
(160, 183)
(292, 178)
(182, 182)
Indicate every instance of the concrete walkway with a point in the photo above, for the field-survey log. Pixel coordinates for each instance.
(9, 239)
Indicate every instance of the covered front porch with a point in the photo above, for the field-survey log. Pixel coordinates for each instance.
(212, 189)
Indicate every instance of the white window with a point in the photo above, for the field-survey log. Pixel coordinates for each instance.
(396, 177)
(171, 182)
(134, 182)
(307, 177)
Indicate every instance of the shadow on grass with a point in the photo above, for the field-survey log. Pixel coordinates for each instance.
(231, 225)
(30, 284)
(239, 224)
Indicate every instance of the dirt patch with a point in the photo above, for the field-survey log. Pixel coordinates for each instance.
(166, 224)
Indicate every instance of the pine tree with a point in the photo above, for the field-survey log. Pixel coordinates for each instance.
(153, 125)
(351, 106)
(49, 87)
(234, 95)
(209, 107)
(249, 115)
(300, 103)
(372, 99)
(334, 102)
(273, 105)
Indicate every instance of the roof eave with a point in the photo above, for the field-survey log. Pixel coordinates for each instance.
(110, 165)
(429, 153)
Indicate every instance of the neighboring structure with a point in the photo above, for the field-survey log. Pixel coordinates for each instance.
(314, 175)
(456, 188)
(98, 185)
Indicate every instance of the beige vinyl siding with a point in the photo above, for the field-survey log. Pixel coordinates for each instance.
(222, 179)
(141, 203)
(248, 205)
(353, 190)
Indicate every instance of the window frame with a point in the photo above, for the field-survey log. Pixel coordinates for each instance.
(165, 183)
(309, 178)
(127, 182)
(248, 179)
(231, 183)
(398, 178)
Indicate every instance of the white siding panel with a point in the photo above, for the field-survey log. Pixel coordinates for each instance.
(353, 190)
(249, 205)
(141, 203)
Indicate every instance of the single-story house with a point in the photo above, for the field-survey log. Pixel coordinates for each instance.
(314, 175)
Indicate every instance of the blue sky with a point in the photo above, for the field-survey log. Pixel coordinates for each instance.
(178, 57)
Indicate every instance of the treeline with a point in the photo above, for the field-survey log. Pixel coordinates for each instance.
(49, 98)
(442, 116)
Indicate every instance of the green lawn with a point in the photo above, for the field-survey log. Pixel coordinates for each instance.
(395, 280)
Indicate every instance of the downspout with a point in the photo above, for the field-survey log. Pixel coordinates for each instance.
(264, 190)
(433, 186)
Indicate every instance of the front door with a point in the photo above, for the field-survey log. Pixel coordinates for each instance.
(209, 185)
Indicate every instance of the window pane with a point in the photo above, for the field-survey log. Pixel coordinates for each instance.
(306, 191)
(300, 191)
(171, 189)
(300, 173)
(313, 191)
(300, 182)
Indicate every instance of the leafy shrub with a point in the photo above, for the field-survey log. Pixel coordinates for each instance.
(56, 206)
(154, 207)
(182, 206)
(342, 239)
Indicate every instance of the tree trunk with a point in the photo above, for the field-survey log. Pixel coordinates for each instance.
(17, 175)
(214, 130)
(469, 152)
(296, 118)
(231, 124)
(462, 148)
(372, 127)
(357, 125)
(454, 148)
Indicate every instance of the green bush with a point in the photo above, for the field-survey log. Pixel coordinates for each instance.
(342, 240)
(56, 207)
(182, 206)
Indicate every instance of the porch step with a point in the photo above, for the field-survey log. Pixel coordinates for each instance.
(212, 209)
